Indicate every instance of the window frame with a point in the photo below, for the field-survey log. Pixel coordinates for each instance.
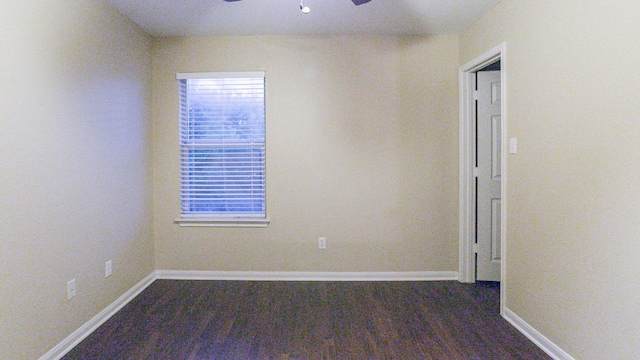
(221, 219)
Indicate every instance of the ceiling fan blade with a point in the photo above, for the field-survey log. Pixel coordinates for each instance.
(357, 2)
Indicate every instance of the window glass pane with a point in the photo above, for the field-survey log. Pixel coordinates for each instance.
(222, 138)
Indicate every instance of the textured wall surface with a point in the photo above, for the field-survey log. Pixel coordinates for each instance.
(361, 149)
(75, 167)
(573, 199)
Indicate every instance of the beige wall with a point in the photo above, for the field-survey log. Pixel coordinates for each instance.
(573, 200)
(361, 148)
(74, 167)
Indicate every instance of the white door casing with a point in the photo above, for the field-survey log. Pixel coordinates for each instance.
(467, 143)
(488, 224)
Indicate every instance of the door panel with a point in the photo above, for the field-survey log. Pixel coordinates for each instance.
(496, 145)
(489, 176)
(496, 207)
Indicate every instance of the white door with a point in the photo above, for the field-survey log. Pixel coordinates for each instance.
(488, 181)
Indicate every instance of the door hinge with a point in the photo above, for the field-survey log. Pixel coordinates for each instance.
(475, 94)
(475, 248)
(475, 172)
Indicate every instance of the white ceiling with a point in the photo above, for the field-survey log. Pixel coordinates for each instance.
(283, 17)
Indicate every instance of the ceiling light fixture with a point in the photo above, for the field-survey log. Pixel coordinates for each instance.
(304, 9)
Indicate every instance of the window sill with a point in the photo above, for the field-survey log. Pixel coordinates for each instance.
(222, 222)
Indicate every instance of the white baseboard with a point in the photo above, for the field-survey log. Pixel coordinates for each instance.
(85, 330)
(307, 276)
(535, 336)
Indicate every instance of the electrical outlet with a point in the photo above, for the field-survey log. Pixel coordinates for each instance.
(322, 243)
(71, 289)
(107, 269)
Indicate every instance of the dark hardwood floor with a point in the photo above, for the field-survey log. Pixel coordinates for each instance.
(309, 320)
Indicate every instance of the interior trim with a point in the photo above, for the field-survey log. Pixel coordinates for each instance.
(466, 225)
(535, 336)
(85, 330)
(307, 276)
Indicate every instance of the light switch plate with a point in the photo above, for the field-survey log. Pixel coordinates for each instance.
(107, 269)
(513, 145)
(71, 289)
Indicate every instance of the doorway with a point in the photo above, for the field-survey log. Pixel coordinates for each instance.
(470, 219)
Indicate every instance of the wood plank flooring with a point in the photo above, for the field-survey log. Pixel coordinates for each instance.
(175, 319)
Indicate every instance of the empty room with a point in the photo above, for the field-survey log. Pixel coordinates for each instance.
(253, 179)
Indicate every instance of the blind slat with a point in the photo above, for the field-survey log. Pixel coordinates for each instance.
(222, 140)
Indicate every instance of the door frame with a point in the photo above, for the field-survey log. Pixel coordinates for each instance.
(467, 143)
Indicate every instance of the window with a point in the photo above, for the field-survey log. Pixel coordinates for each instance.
(222, 149)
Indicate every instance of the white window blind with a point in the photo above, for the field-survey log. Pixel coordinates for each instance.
(222, 144)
